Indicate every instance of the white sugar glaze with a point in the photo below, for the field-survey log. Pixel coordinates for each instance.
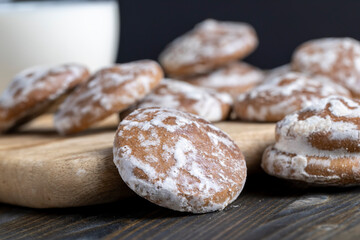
(180, 95)
(209, 39)
(294, 155)
(235, 74)
(33, 90)
(100, 93)
(32, 79)
(301, 88)
(337, 58)
(294, 133)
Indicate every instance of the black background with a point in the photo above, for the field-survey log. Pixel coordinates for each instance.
(148, 25)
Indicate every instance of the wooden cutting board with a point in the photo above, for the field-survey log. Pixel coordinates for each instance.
(40, 169)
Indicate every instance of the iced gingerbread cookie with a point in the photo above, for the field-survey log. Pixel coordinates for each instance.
(283, 95)
(234, 78)
(108, 91)
(209, 45)
(336, 58)
(34, 90)
(178, 160)
(319, 144)
(206, 103)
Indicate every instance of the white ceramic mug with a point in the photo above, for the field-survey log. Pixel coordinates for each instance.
(50, 33)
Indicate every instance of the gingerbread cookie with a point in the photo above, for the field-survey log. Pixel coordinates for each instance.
(108, 91)
(34, 90)
(234, 78)
(209, 45)
(319, 144)
(283, 95)
(336, 58)
(178, 160)
(206, 103)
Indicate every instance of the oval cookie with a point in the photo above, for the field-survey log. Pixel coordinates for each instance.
(234, 78)
(108, 91)
(336, 58)
(206, 103)
(209, 45)
(178, 160)
(283, 95)
(34, 90)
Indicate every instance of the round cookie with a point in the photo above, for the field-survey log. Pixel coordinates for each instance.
(34, 90)
(283, 95)
(209, 45)
(234, 78)
(206, 103)
(108, 91)
(319, 144)
(336, 58)
(178, 160)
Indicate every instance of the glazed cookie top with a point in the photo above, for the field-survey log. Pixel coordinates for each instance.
(206, 103)
(319, 144)
(329, 128)
(108, 91)
(37, 85)
(178, 160)
(272, 74)
(210, 44)
(337, 58)
(234, 78)
(285, 94)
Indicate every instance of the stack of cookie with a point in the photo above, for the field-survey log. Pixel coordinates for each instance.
(319, 69)
(318, 145)
(317, 127)
(208, 55)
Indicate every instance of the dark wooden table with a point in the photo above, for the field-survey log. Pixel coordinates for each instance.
(268, 208)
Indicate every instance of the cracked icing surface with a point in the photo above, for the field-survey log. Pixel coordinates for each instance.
(318, 144)
(337, 58)
(234, 78)
(108, 91)
(285, 94)
(206, 103)
(210, 44)
(178, 160)
(34, 89)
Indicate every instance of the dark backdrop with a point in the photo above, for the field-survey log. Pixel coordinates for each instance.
(148, 25)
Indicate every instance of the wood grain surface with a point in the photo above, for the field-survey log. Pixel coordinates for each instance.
(40, 169)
